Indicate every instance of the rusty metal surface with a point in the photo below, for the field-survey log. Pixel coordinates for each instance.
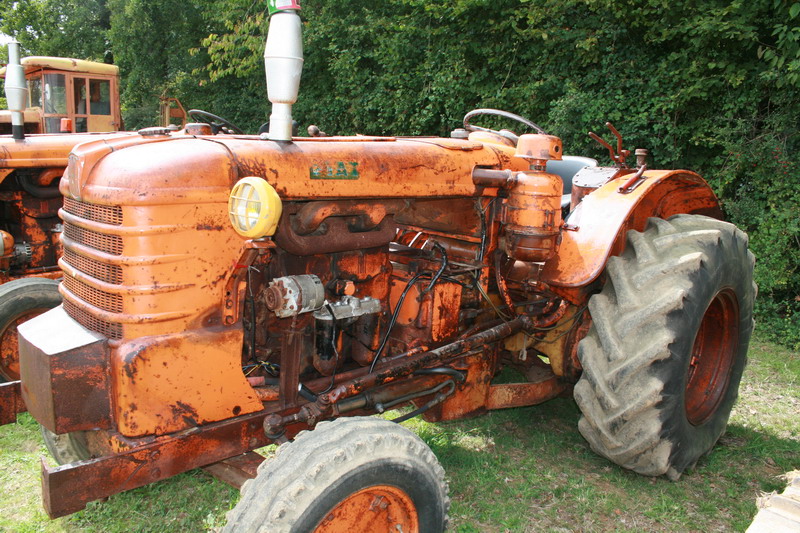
(68, 488)
(236, 470)
(311, 215)
(11, 402)
(66, 389)
(293, 342)
(522, 394)
(178, 381)
(532, 216)
(336, 238)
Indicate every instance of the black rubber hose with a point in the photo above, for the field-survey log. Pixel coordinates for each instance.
(37, 191)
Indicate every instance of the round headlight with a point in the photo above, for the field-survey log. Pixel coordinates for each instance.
(254, 208)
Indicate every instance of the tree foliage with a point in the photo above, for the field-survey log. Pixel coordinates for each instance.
(713, 86)
(68, 28)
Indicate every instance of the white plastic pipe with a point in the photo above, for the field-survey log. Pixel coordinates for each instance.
(16, 91)
(283, 60)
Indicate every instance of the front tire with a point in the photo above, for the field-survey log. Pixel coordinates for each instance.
(67, 448)
(665, 354)
(352, 474)
(20, 300)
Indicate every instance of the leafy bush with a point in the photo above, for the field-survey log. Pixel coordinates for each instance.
(711, 86)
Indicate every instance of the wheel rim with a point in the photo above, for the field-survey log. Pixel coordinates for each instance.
(9, 344)
(712, 357)
(380, 508)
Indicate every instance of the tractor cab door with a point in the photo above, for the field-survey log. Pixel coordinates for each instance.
(93, 104)
(53, 96)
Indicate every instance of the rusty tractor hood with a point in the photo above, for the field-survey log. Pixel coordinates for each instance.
(44, 150)
(131, 170)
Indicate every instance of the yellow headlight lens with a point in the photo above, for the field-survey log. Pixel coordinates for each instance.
(254, 208)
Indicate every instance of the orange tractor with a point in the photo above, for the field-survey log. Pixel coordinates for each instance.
(225, 292)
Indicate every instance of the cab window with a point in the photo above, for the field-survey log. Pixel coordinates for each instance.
(35, 91)
(55, 94)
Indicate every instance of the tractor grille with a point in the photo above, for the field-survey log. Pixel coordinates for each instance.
(111, 244)
(102, 271)
(107, 329)
(96, 297)
(105, 214)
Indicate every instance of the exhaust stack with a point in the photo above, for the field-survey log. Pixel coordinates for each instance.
(283, 60)
(16, 91)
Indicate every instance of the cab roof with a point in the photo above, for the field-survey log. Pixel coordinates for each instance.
(34, 63)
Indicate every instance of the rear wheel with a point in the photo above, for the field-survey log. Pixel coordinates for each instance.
(665, 354)
(353, 474)
(21, 300)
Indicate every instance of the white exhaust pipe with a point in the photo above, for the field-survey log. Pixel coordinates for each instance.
(16, 91)
(283, 60)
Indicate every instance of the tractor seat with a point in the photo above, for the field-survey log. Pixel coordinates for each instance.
(567, 168)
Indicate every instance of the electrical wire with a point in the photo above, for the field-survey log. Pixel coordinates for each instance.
(252, 300)
(393, 319)
(573, 317)
(440, 248)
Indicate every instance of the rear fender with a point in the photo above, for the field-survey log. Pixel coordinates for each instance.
(596, 228)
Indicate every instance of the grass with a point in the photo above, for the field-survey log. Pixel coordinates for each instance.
(515, 470)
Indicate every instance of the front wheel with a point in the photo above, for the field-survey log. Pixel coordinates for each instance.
(66, 448)
(668, 344)
(352, 474)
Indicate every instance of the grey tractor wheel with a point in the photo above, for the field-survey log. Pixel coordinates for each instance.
(21, 300)
(66, 448)
(356, 474)
(664, 356)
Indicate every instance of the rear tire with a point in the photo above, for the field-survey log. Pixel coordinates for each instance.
(356, 474)
(21, 300)
(665, 354)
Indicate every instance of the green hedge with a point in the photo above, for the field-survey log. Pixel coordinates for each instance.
(712, 86)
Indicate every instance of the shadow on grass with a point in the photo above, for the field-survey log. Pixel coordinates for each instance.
(525, 469)
(529, 469)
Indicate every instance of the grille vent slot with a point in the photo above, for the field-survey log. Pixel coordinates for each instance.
(100, 299)
(105, 214)
(111, 244)
(110, 330)
(102, 271)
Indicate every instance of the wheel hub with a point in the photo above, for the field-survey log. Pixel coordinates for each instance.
(379, 509)
(712, 356)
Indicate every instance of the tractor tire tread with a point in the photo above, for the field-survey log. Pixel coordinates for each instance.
(271, 501)
(626, 354)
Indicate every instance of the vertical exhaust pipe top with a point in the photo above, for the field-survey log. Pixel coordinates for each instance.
(283, 61)
(16, 91)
